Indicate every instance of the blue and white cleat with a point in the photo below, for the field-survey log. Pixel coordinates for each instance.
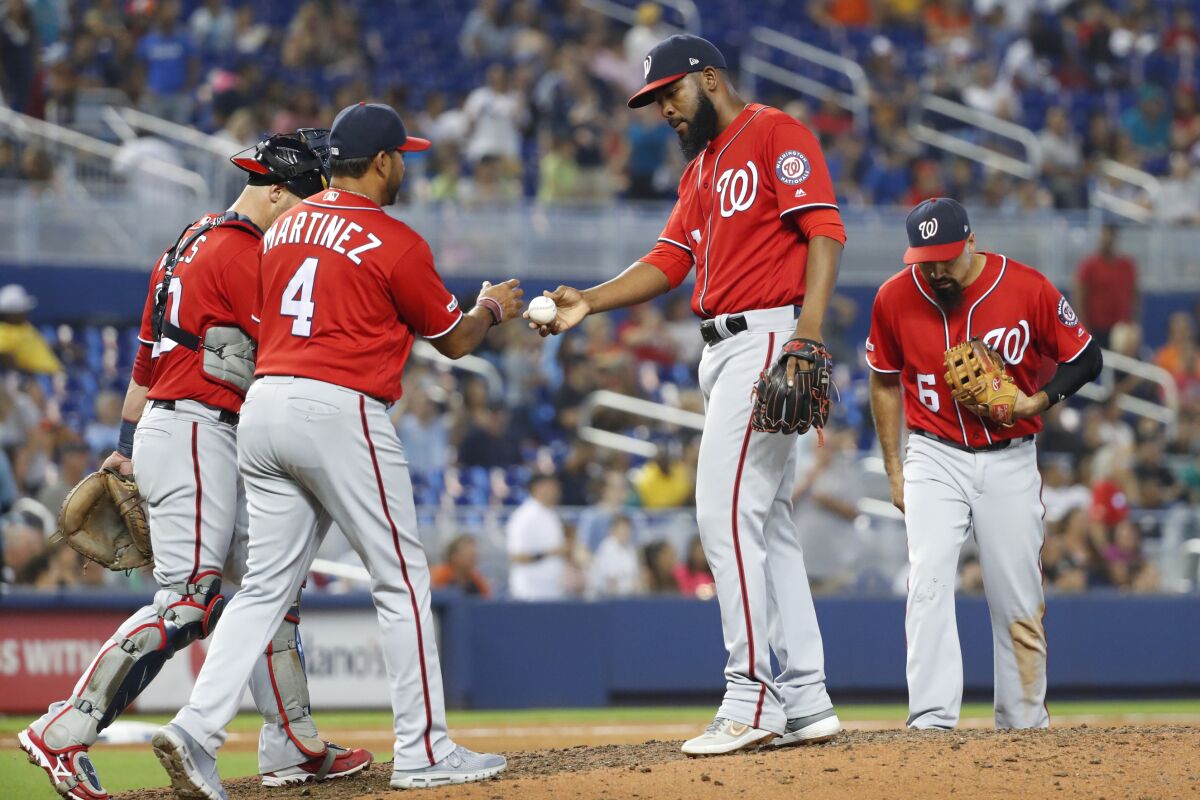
(461, 766)
(193, 771)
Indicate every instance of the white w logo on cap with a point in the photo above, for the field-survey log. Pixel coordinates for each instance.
(928, 228)
(646, 65)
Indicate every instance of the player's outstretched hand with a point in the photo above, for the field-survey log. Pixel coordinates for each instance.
(572, 308)
(508, 294)
(119, 464)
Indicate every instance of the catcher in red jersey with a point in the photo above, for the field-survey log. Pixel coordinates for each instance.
(343, 291)
(179, 441)
(971, 463)
(758, 221)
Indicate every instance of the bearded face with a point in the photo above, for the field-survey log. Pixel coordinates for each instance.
(948, 292)
(700, 129)
(392, 188)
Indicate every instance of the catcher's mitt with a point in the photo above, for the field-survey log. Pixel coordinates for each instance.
(779, 408)
(102, 518)
(977, 380)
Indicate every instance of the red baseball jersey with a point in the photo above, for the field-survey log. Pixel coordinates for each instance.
(1011, 306)
(738, 217)
(343, 290)
(213, 285)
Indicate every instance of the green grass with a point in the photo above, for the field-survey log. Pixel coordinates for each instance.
(123, 769)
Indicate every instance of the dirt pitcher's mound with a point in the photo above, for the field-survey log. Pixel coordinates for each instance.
(1092, 763)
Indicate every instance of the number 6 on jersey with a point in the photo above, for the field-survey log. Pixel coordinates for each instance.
(297, 298)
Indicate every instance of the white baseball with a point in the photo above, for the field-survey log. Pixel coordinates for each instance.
(542, 310)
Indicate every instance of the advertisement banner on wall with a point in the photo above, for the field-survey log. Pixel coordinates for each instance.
(43, 654)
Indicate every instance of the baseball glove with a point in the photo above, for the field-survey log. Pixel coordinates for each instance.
(976, 377)
(779, 408)
(102, 518)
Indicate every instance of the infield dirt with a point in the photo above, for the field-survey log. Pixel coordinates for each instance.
(1097, 763)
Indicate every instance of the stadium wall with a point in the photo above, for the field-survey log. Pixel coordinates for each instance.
(498, 654)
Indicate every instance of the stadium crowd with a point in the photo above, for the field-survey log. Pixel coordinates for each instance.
(529, 104)
(531, 101)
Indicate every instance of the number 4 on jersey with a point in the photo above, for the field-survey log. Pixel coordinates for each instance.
(297, 298)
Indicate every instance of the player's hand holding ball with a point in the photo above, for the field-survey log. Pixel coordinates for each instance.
(506, 295)
(557, 311)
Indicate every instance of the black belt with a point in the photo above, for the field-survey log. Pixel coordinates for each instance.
(1004, 444)
(226, 416)
(734, 323)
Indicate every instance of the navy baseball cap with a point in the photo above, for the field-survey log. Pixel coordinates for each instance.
(363, 129)
(937, 231)
(671, 59)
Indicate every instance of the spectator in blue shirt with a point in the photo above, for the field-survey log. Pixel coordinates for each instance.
(166, 53)
(647, 140)
(1148, 123)
(887, 179)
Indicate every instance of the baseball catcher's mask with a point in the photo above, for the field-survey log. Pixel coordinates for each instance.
(299, 161)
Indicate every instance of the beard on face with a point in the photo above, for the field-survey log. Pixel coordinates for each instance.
(393, 186)
(701, 128)
(949, 294)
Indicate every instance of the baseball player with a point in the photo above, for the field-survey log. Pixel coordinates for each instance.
(344, 289)
(757, 219)
(970, 467)
(189, 379)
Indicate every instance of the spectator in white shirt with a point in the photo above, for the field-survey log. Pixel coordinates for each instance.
(643, 36)
(537, 546)
(496, 113)
(615, 570)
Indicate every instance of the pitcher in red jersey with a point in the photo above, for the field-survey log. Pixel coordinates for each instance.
(962, 473)
(758, 220)
(343, 290)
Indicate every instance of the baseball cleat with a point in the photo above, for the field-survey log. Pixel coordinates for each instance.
(726, 736)
(815, 728)
(70, 769)
(345, 763)
(193, 772)
(461, 766)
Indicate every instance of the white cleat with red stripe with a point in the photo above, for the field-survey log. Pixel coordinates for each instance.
(726, 736)
(70, 770)
(346, 762)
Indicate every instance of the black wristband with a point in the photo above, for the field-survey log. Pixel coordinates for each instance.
(125, 440)
(1071, 376)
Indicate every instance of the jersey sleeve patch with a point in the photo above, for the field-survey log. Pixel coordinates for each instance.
(1066, 314)
(792, 167)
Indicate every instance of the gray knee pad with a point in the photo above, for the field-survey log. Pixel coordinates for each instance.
(285, 666)
(185, 612)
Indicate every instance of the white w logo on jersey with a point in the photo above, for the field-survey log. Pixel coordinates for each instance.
(738, 189)
(1010, 343)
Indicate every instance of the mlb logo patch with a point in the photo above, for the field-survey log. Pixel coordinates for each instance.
(330, 197)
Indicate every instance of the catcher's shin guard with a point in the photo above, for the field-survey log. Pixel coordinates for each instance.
(280, 686)
(183, 613)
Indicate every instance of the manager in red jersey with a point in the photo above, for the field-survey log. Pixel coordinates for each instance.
(179, 440)
(757, 220)
(961, 473)
(344, 288)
